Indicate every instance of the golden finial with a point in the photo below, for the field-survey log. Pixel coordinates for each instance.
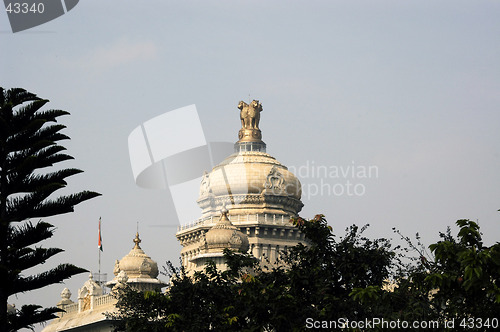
(137, 240)
(223, 213)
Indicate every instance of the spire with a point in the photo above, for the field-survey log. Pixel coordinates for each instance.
(137, 240)
(250, 136)
(224, 221)
(223, 213)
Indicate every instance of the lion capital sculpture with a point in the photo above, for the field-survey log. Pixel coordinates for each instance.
(250, 114)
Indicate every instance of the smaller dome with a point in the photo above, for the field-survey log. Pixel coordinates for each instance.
(225, 235)
(136, 264)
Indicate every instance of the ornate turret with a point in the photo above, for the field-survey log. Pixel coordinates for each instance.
(137, 269)
(91, 311)
(224, 235)
(136, 264)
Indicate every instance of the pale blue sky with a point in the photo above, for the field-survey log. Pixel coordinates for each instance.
(411, 87)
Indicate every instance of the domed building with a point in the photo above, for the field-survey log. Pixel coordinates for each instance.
(260, 196)
(87, 314)
(246, 204)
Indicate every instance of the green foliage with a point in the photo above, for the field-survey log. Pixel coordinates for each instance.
(460, 282)
(28, 146)
(314, 280)
(465, 274)
(327, 279)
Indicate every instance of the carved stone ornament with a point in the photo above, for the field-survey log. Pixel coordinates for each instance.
(90, 287)
(250, 135)
(145, 267)
(65, 294)
(275, 180)
(65, 298)
(205, 184)
(116, 270)
(86, 302)
(203, 241)
(235, 239)
(121, 279)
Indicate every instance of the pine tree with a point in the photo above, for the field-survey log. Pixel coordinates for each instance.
(28, 146)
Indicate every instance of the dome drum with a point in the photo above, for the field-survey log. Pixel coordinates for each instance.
(250, 204)
(240, 147)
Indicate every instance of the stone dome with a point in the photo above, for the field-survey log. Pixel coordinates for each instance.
(224, 235)
(250, 180)
(254, 173)
(136, 264)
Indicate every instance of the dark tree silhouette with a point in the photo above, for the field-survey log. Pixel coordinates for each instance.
(28, 145)
(313, 281)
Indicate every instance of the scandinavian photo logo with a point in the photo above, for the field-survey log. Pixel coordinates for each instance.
(171, 152)
(334, 180)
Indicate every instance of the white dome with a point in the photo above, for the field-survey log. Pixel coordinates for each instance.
(250, 180)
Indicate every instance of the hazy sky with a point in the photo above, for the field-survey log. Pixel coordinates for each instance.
(409, 88)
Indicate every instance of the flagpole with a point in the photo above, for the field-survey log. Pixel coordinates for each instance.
(99, 249)
(99, 262)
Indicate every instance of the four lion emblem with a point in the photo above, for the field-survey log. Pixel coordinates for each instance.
(250, 114)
